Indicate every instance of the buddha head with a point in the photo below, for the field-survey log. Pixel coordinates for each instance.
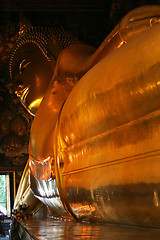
(33, 61)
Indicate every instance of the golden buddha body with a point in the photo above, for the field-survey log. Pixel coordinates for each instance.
(101, 148)
(106, 144)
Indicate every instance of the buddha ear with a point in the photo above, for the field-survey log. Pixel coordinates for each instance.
(54, 47)
(24, 24)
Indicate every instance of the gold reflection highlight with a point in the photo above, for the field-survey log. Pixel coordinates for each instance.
(35, 105)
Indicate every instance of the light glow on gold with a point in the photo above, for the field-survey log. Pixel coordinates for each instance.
(35, 104)
(121, 43)
(38, 81)
(156, 199)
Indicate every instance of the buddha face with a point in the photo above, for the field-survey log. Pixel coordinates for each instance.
(33, 63)
(31, 74)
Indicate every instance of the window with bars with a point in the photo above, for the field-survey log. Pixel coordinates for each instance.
(7, 191)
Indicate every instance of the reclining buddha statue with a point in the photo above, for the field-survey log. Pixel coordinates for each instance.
(94, 149)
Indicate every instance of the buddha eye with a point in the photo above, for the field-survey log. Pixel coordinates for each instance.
(23, 65)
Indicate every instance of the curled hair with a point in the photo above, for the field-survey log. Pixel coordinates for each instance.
(40, 36)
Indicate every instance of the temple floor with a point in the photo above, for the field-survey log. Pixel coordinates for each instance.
(49, 229)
